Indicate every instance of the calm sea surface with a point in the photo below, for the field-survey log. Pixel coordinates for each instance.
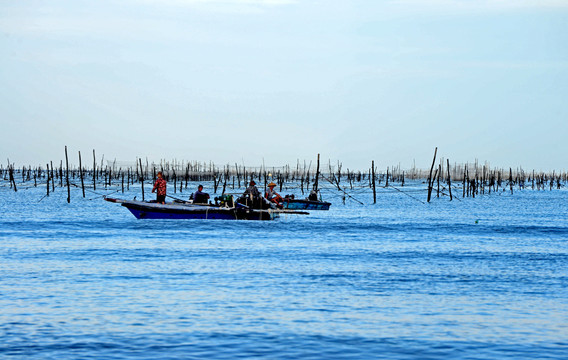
(483, 278)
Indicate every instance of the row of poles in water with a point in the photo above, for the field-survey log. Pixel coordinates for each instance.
(473, 180)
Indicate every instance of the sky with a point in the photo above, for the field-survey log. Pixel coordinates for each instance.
(279, 81)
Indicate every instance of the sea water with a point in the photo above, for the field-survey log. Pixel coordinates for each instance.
(483, 278)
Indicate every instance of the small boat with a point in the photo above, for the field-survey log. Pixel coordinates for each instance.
(305, 204)
(311, 203)
(186, 210)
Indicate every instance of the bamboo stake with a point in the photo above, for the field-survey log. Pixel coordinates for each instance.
(81, 174)
(430, 180)
(94, 170)
(374, 188)
(141, 178)
(449, 180)
(11, 170)
(67, 176)
(316, 183)
(52, 178)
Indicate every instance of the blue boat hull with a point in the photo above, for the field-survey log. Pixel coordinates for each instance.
(157, 211)
(306, 205)
(185, 210)
(149, 214)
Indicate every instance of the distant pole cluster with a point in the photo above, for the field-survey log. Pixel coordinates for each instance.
(442, 179)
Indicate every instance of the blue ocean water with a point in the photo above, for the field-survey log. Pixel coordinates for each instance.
(483, 278)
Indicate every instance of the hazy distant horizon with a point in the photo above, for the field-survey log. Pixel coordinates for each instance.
(380, 165)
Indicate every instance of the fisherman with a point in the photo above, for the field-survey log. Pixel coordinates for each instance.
(252, 191)
(200, 197)
(272, 195)
(160, 185)
(252, 196)
(313, 195)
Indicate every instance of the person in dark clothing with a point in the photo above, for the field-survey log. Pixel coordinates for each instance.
(200, 197)
(313, 195)
(251, 197)
(252, 191)
(160, 189)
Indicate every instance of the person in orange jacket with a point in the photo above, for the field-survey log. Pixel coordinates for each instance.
(160, 189)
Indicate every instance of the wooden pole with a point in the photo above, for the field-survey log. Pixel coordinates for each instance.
(439, 174)
(141, 178)
(449, 180)
(238, 176)
(52, 178)
(81, 174)
(47, 172)
(94, 171)
(436, 174)
(316, 183)
(61, 173)
(511, 179)
(67, 176)
(374, 188)
(464, 180)
(430, 180)
(11, 171)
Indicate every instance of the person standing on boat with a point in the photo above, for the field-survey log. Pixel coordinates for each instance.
(160, 189)
(252, 196)
(272, 195)
(200, 197)
(252, 191)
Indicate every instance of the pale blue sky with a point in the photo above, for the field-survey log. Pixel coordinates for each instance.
(246, 80)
